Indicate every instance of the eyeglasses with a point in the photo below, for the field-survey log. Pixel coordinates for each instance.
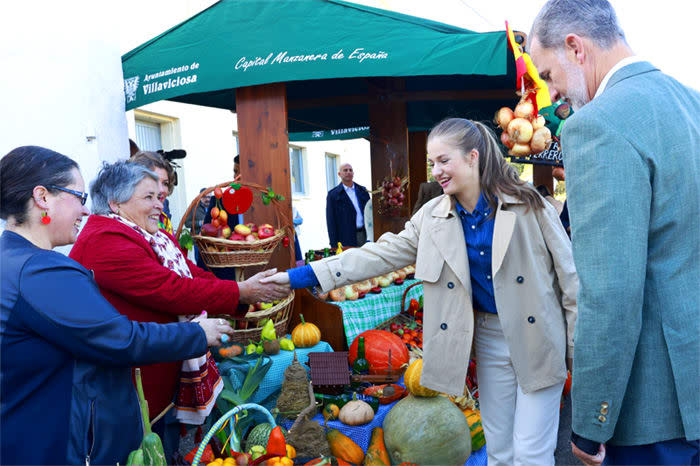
(82, 196)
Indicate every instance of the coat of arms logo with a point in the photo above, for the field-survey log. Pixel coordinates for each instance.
(131, 85)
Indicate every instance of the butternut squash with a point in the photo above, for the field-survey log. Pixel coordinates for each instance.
(411, 379)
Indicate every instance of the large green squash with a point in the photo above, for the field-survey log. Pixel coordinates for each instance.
(427, 431)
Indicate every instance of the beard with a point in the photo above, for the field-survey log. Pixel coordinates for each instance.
(576, 89)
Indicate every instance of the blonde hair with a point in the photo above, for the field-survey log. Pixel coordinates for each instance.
(496, 175)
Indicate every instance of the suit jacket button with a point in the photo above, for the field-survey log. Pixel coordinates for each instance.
(450, 285)
(443, 326)
(531, 319)
(337, 274)
(520, 279)
(603, 410)
(602, 418)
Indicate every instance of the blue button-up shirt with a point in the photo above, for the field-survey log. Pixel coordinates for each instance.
(478, 234)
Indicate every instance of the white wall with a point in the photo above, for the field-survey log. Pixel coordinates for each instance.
(61, 81)
(313, 233)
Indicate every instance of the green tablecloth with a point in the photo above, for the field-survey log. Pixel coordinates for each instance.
(367, 313)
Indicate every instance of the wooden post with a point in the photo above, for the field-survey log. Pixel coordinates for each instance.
(264, 157)
(388, 148)
(416, 165)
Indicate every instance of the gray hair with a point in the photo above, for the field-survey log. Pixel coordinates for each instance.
(116, 183)
(594, 19)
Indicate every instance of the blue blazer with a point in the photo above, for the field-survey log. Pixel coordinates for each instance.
(632, 163)
(66, 354)
(341, 215)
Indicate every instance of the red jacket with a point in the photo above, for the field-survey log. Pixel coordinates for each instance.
(133, 280)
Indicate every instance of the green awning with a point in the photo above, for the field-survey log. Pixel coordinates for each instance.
(321, 48)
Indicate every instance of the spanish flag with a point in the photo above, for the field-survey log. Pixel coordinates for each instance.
(527, 77)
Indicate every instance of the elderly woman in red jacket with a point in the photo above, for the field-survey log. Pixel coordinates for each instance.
(143, 273)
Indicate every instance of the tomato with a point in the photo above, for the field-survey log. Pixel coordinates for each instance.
(218, 193)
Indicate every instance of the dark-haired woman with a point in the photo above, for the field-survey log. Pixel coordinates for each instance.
(489, 244)
(66, 353)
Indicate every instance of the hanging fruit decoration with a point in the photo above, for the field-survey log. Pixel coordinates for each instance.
(237, 199)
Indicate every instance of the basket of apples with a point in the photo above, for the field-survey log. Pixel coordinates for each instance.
(246, 244)
(524, 131)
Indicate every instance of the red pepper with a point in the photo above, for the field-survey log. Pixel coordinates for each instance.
(276, 444)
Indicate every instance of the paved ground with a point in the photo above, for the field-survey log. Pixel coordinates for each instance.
(563, 455)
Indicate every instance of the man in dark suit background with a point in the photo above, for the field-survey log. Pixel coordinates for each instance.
(345, 205)
(427, 191)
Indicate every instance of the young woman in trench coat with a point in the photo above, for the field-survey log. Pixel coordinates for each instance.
(498, 272)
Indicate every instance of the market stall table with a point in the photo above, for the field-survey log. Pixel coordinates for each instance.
(268, 390)
(361, 434)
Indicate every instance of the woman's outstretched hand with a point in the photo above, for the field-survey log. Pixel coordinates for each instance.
(259, 289)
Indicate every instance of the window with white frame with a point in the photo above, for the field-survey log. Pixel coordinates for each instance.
(331, 171)
(296, 165)
(148, 136)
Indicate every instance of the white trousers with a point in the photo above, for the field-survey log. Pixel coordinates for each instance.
(520, 429)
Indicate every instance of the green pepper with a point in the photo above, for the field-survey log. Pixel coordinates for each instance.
(135, 458)
(286, 344)
(268, 331)
(259, 349)
(250, 349)
(151, 451)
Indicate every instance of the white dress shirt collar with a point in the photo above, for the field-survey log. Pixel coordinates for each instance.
(621, 64)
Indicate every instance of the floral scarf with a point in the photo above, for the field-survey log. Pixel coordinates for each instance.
(200, 382)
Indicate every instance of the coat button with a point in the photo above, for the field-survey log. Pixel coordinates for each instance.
(520, 279)
(531, 319)
(337, 274)
(450, 285)
(443, 326)
(603, 410)
(602, 418)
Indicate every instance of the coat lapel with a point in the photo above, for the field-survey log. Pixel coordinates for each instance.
(502, 232)
(448, 237)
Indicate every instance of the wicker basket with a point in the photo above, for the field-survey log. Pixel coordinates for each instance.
(248, 327)
(220, 252)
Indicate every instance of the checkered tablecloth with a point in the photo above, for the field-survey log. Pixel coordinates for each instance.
(367, 313)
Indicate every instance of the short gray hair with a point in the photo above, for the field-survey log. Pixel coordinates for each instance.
(594, 19)
(116, 183)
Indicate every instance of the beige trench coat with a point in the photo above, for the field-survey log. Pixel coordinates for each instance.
(535, 286)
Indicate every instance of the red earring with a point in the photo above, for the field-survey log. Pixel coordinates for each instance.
(45, 219)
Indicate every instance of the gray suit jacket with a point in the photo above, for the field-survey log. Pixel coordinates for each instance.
(632, 158)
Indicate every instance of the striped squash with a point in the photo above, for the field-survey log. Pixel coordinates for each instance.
(411, 379)
(477, 431)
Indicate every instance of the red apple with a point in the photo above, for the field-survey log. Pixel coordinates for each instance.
(237, 237)
(253, 227)
(209, 230)
(251, 237)
(266, 231)
(226, 231)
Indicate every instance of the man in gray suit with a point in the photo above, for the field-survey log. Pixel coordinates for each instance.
(631, 152)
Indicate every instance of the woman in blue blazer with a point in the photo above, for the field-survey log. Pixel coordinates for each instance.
(66, 353)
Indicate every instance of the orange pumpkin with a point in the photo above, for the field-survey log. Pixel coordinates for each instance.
(378, 345)
(411, 379)
(305, 334)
